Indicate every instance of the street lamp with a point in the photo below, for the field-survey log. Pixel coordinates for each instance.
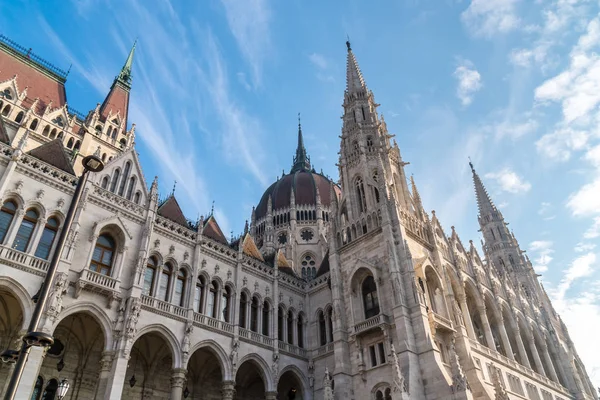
(63, 388)
(91, 163)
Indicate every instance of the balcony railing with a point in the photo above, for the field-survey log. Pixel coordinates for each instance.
(23, 261)
(256, 337)
(292, 349)
(517, 366)
(328, 348)
(97, 279)
(212, 323)
(371, 323)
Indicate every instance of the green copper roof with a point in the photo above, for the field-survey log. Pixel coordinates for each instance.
(125, 74)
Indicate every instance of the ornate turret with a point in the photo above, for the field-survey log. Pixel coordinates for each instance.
(301, 160)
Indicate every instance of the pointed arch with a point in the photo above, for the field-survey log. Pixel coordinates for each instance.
(169, 338)
(299, 375)
(17, 290)
(97, 313)
(217, 350)
(263, 370)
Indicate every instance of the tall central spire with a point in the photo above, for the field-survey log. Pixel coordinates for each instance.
(301, 160)
(484, 203)
(354, 79)
(125, 74)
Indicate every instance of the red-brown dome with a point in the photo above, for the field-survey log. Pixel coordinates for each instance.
(304, 184)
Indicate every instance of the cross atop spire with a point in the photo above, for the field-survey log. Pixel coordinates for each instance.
(484, 203)
(354, 79)
(125, 74)
(301, 160)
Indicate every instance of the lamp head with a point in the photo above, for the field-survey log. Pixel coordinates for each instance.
(63, 388)
(92, 163)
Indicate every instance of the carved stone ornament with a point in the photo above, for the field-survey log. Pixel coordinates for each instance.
(267, 291)
(19, 186)
(60, 203)
(134, 315)
(256, 286)
(229, 273)
(203, 264)
(399, 382)
(171, 249)
(156, 243)
(40, 194)
(186, 255)
(55, 299)
(245, 281)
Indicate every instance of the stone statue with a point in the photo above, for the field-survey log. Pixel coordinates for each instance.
(55, 301)
(134, 315)
(234, 354)
(185, 345)
(328, 391)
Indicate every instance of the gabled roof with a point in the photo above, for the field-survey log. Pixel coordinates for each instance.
(282, 264)
(324, 267)
(3, 135)
(249, 248)
(55, 154)
(170, 209)
(213, 231)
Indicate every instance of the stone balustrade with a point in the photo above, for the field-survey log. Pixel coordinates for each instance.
(370, 323)
(23, 261)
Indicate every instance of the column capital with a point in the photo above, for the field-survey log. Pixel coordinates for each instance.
(228, 390)
(106, 360)
(178, 377)
(270, 395)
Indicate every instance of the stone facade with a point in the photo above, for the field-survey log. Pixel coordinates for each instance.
(147, 304)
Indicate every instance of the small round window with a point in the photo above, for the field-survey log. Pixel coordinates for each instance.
(306, 235)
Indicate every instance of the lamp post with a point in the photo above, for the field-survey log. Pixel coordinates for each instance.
(34, 338)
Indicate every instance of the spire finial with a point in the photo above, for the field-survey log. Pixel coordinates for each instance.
(301, 160)
(174, 186)
(348, 43)
(471, 164)
(125, 74)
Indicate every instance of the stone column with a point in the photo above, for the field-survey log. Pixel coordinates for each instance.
(30, 373)
(551, 370)
(177, 382)
(489, 338)
(270, 395)
(259, 318)
(116, 379)
(521, 348)
(104, 373)
(295, 330)
(504, 338)
(228, 390)
(467, 317)
(536, 355)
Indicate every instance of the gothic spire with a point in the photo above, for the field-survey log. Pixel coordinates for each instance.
(484, 203)
(125, 74)
(354, 79)
(301, 160)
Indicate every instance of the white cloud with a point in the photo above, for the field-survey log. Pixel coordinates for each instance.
(516, 130)
(559, 144)
(543, 250)
(582, 247)
(594, 230)
(529, 57)
(318, 60)
(469, 82)
(509, 181)
(249, 22)
(581, 267)
(490, 17)
(586, 201)
(544, 207)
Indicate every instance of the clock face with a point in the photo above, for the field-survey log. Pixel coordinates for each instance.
(306, 235)
(282, 238)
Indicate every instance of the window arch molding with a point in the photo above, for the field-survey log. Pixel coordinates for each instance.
(117, 230)
(358, 276)
(381, 386)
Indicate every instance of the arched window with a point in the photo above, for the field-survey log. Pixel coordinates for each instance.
(300, 326)
(130, 188)
(150, 276)
(388, 394)
(225, 299)
(6, 111)
(46, 131)
(322, 333)
(330, 325)
(34, 124)
(179, 297)
(360, 193)
(19, 117)
(165, 282)
(103, 157)
(280, 321)
(125, 177)
(265, 318)
(370, 299)
(379, 395)
(70, 143)
(254, 315)
(7, 213)
(98, 130)
(137, 197)
(355, 148)
(114, 133)
(198, 294)
(37, 390)
(77, 145)
(123, 142)
(115, 180)
(102, 259)
(104, 183)
(47, 239)
(51, 389)
(369, 144)
(290, 327)
(53, 134)
(25, 230)
(308, 262)
(243, 309)
(211, 304)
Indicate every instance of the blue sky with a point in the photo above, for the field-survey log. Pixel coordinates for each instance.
(217, 85)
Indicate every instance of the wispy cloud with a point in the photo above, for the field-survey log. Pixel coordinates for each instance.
(490, 17)
(469, 81)
(543, 251)
(323, 67)
(249, 22)
(509, 181)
